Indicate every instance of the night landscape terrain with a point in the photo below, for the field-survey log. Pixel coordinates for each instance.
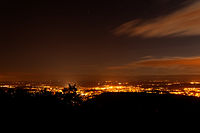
(103, 100)
(100, 56)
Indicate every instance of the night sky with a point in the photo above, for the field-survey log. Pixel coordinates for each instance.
(90, 39)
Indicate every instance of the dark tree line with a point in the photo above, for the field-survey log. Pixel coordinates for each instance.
(22, 99)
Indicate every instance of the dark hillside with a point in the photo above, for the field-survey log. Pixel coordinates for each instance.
(142, 102)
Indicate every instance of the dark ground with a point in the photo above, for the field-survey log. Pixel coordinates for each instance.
(142, 102)
(107, 102)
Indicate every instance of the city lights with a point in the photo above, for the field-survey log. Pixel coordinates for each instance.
(86, 92)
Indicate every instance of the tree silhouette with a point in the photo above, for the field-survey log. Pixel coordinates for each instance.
(70, 95)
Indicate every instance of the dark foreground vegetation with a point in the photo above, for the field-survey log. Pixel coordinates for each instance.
(21, 100)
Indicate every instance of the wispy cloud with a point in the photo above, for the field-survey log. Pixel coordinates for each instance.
(170, 62)
(175, 64)
(184, 22)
